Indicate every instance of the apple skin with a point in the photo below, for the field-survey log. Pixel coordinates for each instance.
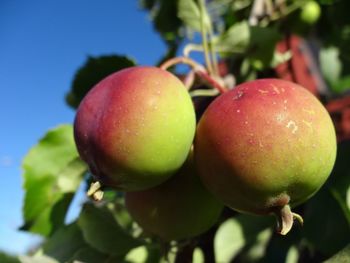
(178, 209)
(264, 145)
(135, 128)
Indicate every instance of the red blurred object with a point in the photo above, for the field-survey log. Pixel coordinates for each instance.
(340, 113)
(302, 69)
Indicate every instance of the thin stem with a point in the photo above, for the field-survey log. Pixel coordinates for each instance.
(204, 93)
(182, 60)
(197, 68)
(213, 52)
(191, 47)
(204, 36)
(211, 45)
(285, 218)
(286, 11)
(211, 81)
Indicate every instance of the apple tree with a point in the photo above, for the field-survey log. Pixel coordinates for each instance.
(126, 216)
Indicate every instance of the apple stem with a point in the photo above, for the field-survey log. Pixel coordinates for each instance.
(197, 68)
(285, 218)
(95, 191)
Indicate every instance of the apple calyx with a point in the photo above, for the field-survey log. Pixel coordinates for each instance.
(95, 191)
(285, 219)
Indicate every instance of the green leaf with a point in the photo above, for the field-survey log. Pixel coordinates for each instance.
(64, 243)
(284, 248)
(101, 231)
(236, 233)
(138, 254)
(68, 245)
(52, 173)
(198, 256)
(235, 39)
(341, 256)
(330, 64)
(341, 85)
(258, 43)
(93, 71)
(147, 4)
(6, 258)
(189, 13)
(324, 214)
(164, 16)
(37, 259)
(262, 45)
(90, 255)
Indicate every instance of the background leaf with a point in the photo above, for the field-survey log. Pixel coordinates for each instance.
(93, 71)
(37, 259)
(68, 245)
(6, 258)
(52, 174)
(341, 256)
(189, 13)
(102, 231)
(330, 64)
(236, 233)
(164, 16)
(325, 215)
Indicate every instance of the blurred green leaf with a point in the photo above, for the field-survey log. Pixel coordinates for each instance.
(342, 256)
(235, 39)
(102, 231)
(326, 226)
(339, 181)
(90, 255)
(330, 64)
(341, 85)
(236, 233)
(258, 43)
(64, 243)
(68, 245)
(52, 174)
(164, 16)
(7, 258)
(93, 71)
(37, 259)
(326, 2)
(147, 4)
(255, 251)
(138, 254)
(284, 248)
(198, 256)
(263, 41)
(292, 255)
(189, 13)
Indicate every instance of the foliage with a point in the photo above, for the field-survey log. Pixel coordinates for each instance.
(104, 232)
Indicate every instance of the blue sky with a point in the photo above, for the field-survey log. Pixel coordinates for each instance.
(42, 43)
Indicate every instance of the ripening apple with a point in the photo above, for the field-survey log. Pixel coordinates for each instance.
(264, 147)
(135, 128)
(178, 209)
(310, 12)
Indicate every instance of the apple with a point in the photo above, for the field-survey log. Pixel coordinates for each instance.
(135, 128)
(264, 147)
(310, 12)
(178, 209)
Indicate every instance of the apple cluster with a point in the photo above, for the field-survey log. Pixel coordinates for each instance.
(260, 148)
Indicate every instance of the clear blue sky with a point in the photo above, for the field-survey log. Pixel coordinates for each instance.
(42, 43)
